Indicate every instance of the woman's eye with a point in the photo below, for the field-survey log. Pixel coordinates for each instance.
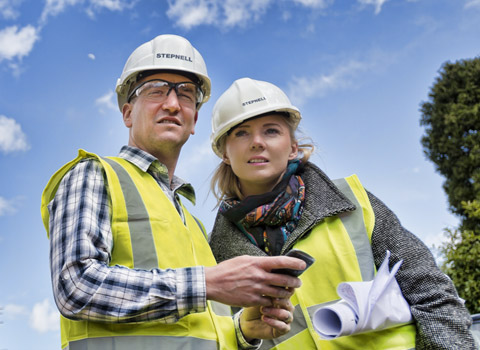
(272, 131)
(240, 133)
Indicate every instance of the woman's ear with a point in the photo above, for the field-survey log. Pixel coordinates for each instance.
(294, 153)
(225, 159)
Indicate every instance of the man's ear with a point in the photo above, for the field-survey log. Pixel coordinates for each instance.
(127, 114)
(195, 118)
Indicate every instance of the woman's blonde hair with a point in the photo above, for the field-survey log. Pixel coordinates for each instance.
(224, 183)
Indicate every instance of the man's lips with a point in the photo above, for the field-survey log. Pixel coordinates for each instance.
(169, 120)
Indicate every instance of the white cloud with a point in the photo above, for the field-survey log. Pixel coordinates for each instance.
(225, 13)
(8, 8)
(44, 317)
(111, 5)
(376, 3)
(303, 88)
(314, 3)
(91, 56)
(238, 12)
(231, 13)
(13, 311)
(12, 137)
(190, 13)
(17, 43)
(7, 206)
(55, 7)
(107, 101)
(472, 3)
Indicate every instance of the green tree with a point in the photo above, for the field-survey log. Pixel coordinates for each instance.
(451, 119)
(461, 252)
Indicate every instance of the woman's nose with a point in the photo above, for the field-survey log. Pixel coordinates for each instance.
(257, 142)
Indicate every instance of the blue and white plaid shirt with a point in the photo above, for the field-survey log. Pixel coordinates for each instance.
(85, 286)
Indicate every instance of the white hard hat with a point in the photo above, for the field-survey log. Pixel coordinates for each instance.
(165, 52)
(245, 99)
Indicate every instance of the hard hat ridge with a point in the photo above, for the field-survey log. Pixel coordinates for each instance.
(165, 52)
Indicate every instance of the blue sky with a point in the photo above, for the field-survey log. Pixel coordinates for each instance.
(357, 69)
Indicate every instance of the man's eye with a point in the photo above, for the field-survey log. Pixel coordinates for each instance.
(186, 96)
(186, 90)
(187, 93)
(156, 92)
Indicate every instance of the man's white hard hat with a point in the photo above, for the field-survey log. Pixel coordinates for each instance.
(165, 52)
(244, 99)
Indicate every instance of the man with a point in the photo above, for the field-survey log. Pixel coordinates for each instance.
(131, 267)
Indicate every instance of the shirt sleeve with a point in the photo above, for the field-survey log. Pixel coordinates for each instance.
(441, 319)
(85, 286)
(242, 342)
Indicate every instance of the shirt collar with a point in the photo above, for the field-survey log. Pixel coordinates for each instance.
(145, 162)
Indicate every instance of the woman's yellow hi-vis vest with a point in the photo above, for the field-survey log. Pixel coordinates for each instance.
(148, 233)
(341, 247)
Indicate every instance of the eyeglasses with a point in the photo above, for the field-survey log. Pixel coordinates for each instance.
(157, 90)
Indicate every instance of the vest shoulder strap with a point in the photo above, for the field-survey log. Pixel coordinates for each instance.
(356, 224)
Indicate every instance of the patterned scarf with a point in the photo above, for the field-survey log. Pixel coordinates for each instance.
(267, 219)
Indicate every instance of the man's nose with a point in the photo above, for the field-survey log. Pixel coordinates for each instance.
(171, 102)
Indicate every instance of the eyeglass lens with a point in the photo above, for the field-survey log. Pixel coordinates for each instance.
(158, 90)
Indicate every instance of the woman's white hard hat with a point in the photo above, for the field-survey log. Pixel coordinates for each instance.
(165, 52)
(244, 99)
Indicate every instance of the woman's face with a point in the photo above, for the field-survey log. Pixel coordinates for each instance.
(258, 151)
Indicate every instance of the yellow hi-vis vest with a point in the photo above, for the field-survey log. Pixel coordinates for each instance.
(341, 246)
(148, 233)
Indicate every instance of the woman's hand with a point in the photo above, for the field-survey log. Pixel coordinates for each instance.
(267, 322)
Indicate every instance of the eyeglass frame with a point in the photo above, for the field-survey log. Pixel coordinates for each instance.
(171, 86)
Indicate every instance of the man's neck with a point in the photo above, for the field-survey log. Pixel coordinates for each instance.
(165, 155)
(170, 161)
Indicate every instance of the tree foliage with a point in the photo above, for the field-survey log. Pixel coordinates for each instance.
(451, 141)
(462, 254)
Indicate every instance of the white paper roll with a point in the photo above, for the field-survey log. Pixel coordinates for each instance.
(364, 306)
(334, 320)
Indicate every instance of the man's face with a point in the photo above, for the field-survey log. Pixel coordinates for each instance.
(160, 126)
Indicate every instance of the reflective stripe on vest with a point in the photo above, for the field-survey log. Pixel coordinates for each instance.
(142, 240)
(142, 343)
(161, 240)
(345, 255)
(355, 226)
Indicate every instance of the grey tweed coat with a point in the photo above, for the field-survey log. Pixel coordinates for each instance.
(441, 319)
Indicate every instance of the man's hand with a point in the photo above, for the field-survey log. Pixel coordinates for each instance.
(267, 322)
(247, 280)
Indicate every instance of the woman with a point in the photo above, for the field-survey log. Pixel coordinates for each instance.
(271, 199)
